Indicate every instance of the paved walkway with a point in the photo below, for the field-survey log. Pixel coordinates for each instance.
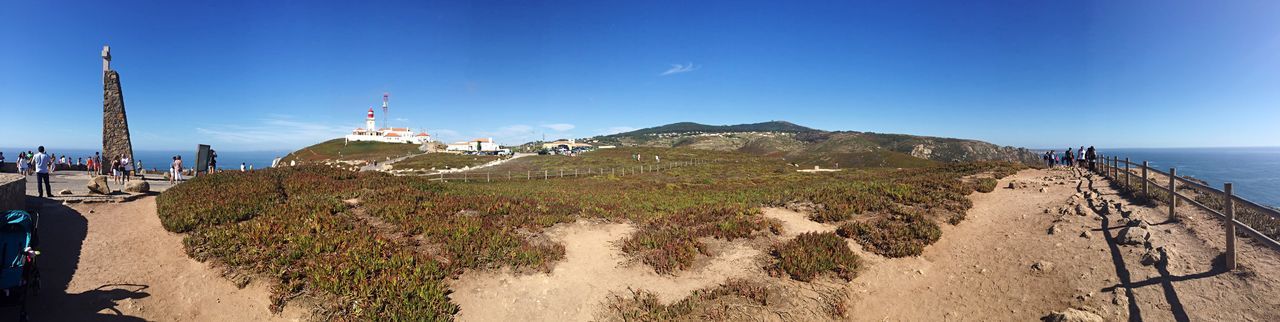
(76, 181)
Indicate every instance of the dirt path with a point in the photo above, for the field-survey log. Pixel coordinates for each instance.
(986, 268)
(593, 268)
(115, 262)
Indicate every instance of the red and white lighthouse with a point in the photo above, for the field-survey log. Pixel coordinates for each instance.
(368, 122)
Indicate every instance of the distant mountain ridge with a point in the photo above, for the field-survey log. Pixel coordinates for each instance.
(682, 127)
(808, 146)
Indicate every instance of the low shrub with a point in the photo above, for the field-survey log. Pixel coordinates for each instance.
(986, 185)
(903, 234)
(810, 254)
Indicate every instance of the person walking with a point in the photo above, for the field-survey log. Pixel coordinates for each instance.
(1092, 156)
(43, 162)
(213, 161)
(1080, 156)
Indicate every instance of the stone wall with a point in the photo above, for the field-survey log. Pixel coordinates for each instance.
(115, 126)
(9, 167)
(13, 191)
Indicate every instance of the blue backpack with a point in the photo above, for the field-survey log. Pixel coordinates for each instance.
(15, 238)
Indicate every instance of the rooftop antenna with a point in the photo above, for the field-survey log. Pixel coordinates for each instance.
(385, 97)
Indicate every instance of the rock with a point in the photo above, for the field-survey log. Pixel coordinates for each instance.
(64, 192)
(1072, 315)
(137, 186)
(1085, 235)
(99, 185)
(1012, 186)
(1134, 236)
(1042, 266)
(1054, 229)
(1151, 257)
(1042, 190)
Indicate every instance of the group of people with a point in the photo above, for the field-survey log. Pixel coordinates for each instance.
(1070, 158)
(27, 164)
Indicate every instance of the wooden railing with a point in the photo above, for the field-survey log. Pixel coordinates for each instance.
(1121, 173)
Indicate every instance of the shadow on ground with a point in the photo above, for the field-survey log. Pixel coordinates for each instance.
(62, 231)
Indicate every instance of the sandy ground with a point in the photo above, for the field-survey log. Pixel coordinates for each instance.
(983, 267)
(1000, 264)
(114, 262)
(593, 268)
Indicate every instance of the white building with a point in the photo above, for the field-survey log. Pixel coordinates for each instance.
(477, 145)
(389, 135)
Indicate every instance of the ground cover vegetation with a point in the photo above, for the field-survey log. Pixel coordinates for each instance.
(440, 161)
(381, 247)
(340, 149)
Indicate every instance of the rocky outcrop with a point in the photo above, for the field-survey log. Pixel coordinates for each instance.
(137, 186)
(1073, 315)
(99, 185)
(115, 126)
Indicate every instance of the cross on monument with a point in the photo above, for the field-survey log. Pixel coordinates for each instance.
(106, 58)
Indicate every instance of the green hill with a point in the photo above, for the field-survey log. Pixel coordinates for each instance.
(339, 149)
(807, 146)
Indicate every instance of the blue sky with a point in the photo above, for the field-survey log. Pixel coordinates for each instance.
(278, 75)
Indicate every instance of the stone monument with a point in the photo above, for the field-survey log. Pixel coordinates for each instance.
(115, 127)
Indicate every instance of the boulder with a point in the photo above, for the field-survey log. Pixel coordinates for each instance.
(64, 191)
(1073, 315)
(99, 185)
(137, 186)
(1134, 236)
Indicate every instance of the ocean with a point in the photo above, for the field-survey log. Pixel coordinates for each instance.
(160, 159)
(1255, 172)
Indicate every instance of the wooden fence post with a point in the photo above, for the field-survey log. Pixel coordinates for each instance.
(1126, 173)
(1173, 193)
(486, 177)
(1145, 191)
(464, 177)
(545, 174)
(442, 177)
(1230, 209)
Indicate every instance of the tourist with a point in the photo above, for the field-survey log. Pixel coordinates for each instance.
(115, 170)
(1066, 158)
(241, 166)
(213, 161)
(97, 163)
(1, 157)
(88, 166)
(250, 168)
(1092, 156)
(128, 167)
(42, 163)
(175, 170)
(22, 163)
(1080, 156)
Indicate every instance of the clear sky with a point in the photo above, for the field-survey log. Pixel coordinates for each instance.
(279, 75)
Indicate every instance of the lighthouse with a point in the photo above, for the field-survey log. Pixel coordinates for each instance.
(368, 122)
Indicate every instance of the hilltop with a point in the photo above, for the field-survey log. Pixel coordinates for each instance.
(807, 146)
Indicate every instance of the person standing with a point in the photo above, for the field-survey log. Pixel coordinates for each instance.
(115, 169)
(241, 166)
(213, 161)
(22, 163)
(42, 162)
(128, 167)
(175, 170)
